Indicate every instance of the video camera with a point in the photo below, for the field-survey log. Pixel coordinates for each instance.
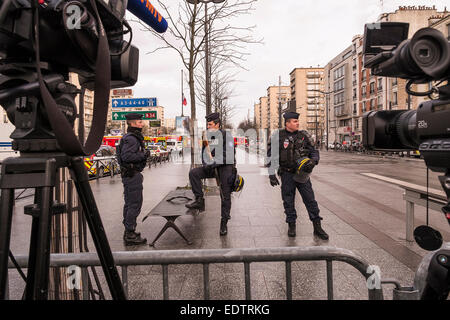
(424, 59)
(69, 33)
(41, 42)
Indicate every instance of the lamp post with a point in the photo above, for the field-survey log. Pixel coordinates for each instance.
(207, 66)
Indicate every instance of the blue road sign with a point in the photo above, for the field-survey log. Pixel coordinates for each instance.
(134, 103)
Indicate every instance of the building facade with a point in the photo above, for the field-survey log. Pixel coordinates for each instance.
(257, 115)
(264, 111)
(339, 86)
(276, 95)
(306, 85)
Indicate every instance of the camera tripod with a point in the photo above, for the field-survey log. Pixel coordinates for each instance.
(39, 171)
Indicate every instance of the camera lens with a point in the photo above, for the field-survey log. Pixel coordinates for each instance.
(406, 128)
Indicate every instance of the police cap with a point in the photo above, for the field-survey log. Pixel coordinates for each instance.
(291, 115)
(212, 117)
(133, 116)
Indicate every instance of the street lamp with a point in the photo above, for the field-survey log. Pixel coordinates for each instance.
(207, 67)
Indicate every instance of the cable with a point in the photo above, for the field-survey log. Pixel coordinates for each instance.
(130, 30)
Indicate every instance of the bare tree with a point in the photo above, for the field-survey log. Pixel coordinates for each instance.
(184, 35)
(228, 45)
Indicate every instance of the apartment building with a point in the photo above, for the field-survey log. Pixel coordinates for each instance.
(264, 107)
(277, 97)
(257, 115)
(340, 86)
(308, 101)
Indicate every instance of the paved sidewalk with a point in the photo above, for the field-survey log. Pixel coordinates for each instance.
(360, 214)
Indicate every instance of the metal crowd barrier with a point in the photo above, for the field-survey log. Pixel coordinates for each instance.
(98, 167)
(211, 256)
(164, 156)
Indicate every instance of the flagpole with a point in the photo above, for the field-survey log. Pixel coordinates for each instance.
(182, 96)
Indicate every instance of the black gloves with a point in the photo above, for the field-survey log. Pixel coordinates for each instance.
(273, 180)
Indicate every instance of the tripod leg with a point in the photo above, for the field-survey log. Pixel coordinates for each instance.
(37, 288)
(32, 251)
(6, 207)
(95, 224)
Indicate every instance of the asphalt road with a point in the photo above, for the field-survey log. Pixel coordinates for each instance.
(406, 169)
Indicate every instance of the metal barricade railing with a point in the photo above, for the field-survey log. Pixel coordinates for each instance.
(206, 257)
(98, 167)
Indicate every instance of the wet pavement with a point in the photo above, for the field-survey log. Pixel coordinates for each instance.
(364, 215)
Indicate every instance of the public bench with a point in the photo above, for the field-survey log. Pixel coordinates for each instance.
(414, 195)
(171, 207)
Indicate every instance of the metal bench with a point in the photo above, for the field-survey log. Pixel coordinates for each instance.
(415, 194)
(171, 208)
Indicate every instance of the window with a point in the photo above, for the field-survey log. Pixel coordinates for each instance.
(363, 90)
(354, 94)
(363, 78)
(394, 99)
(372, 104)
(339, 85)
(356, 123)
(380, 84)
(364, 106)
(372, 87)
(345, 56)
(354, 108)
(394, 82)
(339, 98)
(339, 73)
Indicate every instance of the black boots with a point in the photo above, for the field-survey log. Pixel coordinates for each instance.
(223, 227)
(132, 238)
(199, 204)
(318, 231)
(291, 230)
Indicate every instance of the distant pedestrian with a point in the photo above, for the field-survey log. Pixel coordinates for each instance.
(294, 160)
(132, 158)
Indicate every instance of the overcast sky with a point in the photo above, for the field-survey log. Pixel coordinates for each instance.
(296, 33)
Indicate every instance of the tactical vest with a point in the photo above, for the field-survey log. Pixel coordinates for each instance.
(292, 148)
(128, 169)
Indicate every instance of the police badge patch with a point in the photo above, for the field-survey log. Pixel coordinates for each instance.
(286, 143)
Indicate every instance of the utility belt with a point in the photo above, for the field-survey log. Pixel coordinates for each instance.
(129, 170)
(284, 169)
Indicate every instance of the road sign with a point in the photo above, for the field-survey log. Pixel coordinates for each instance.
(134, 103)
(155, 123)
(147, 115)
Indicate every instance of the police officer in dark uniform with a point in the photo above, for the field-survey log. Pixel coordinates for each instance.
(293, 147)
(132, 157)
(218, 158)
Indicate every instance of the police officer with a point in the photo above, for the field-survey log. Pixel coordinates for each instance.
(218, 157)
(132, 158)
(294, 145)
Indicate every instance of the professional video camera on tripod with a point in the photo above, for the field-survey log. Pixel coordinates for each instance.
(41, 41)
(424, 59)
